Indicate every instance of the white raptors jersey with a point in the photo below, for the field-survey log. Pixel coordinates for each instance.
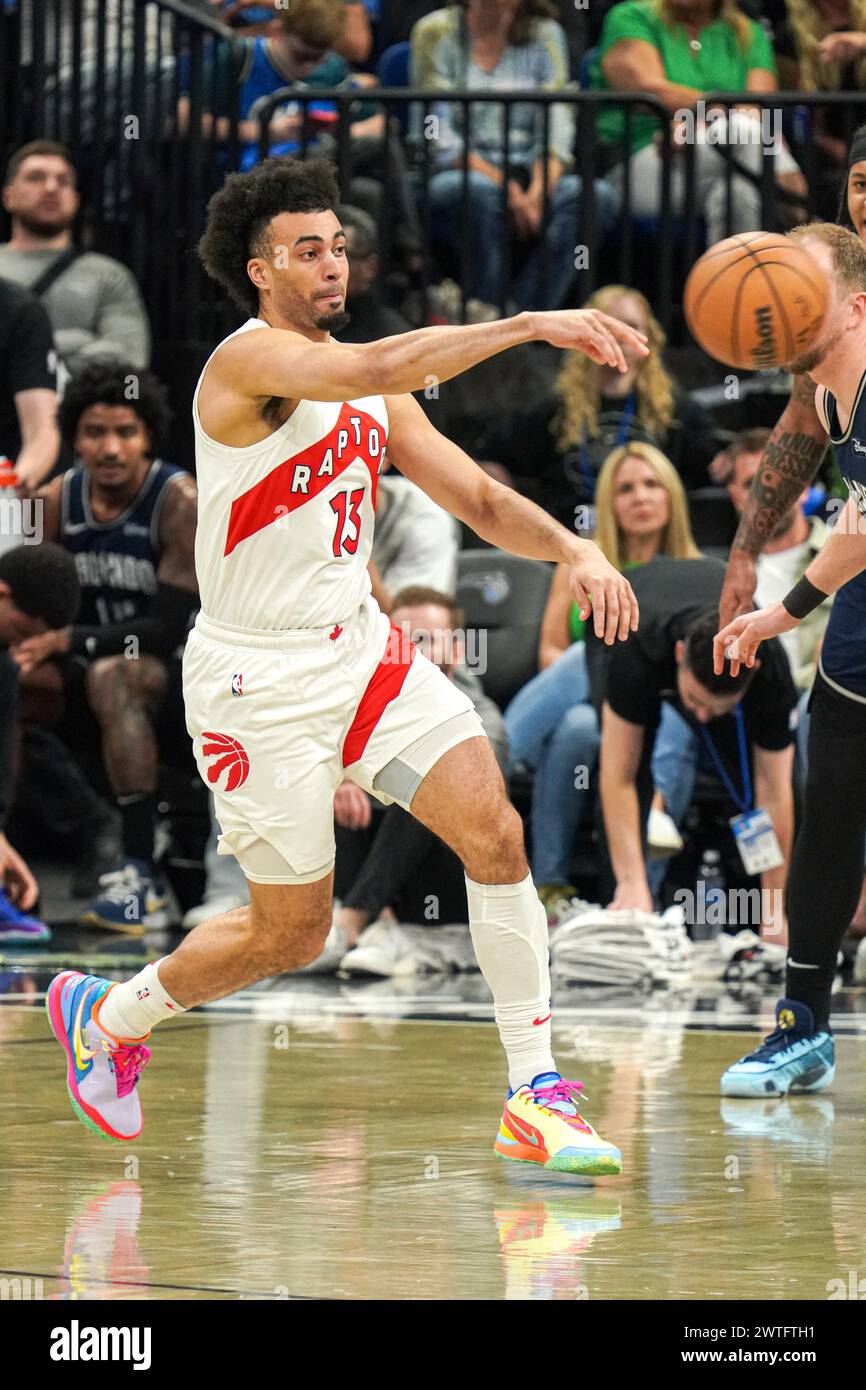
(285, 527)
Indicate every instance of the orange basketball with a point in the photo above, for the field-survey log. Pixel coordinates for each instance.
(756, 300)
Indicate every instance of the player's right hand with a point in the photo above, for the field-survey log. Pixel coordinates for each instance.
(738, 593)
(598, 335)
(351, 806)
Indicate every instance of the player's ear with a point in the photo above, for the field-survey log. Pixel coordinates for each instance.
(257, 272)
(680, 651)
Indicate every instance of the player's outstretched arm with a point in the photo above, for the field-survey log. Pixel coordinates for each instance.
(278, 362)
(790, 461)
(505, 519)
(843, 557)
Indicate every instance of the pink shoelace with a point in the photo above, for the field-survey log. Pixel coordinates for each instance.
(128, 1062)
(562, 1092)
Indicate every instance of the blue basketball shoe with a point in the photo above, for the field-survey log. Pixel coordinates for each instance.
(17, 928)
(793, 1058)
(131, 898)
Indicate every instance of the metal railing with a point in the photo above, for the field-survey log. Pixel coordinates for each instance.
(110, 77)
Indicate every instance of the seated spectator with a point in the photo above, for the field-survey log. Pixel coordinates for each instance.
(746, 725)
(354, 44)
(390, 860)
(677, 50)
(822, 48)
(293, 59)
(371, 318)
(551, 723)
(852, 203)
(129, 520)
(28, 386)
(415, 541)
(554, 447)
(504, 45)
(93, 302)
(38, 592)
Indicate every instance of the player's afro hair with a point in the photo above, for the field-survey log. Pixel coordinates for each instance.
(239, 214)
(110, 383)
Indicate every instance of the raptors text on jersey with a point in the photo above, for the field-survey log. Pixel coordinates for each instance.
(285, 526)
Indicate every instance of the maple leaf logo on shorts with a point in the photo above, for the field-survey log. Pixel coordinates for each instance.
(229, 754)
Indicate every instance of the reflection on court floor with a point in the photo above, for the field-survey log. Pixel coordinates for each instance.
(324, 1140)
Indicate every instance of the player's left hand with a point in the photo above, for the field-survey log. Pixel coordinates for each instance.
(739, 641)
(35, 650)
(595, 585)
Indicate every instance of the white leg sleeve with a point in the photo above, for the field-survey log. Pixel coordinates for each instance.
(509, 933)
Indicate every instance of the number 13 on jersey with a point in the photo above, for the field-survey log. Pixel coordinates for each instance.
(345, 541)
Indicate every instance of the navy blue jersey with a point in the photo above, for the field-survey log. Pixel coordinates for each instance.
(117, 560)
(843, 655)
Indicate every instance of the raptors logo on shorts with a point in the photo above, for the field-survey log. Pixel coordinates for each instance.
(229, 754)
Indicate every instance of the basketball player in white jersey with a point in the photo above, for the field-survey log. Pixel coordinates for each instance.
(294, 679)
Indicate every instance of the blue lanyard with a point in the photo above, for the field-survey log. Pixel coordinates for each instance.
(621, 437)
(743, 803)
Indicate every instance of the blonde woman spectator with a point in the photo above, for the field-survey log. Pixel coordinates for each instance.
(822, 48)
(552, 723)
(563, 438)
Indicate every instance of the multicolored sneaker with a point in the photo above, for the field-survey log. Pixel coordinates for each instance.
(103, 1071)
(131, 898)
(541, 1124)
(17, 928)
(795, 1057)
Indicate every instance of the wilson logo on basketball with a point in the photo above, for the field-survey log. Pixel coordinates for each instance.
(230, 755)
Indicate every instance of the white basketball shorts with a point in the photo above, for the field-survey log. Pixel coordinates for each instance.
(278, 719)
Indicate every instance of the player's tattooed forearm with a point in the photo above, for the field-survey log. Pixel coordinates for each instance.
(789, 464)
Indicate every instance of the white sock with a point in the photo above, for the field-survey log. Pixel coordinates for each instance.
(509, 933)
(130, 1010)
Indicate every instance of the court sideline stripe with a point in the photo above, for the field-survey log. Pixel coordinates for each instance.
(149, 1284)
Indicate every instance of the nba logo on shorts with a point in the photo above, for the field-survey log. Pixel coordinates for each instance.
(237, 685)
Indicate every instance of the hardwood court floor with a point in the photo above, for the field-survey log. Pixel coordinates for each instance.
(345, 1156)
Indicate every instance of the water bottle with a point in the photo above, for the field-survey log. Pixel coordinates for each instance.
(11, 532)
(710, 915)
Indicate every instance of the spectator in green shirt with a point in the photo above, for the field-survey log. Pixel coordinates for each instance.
(676, 51)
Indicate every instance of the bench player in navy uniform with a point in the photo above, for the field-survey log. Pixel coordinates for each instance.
(129, 521)
(827, 864)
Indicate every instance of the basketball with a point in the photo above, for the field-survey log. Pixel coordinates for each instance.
(755, 300)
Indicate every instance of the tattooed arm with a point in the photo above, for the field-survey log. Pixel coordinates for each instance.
(790, 461)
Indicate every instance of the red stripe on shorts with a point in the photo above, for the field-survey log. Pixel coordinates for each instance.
(384, 685)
